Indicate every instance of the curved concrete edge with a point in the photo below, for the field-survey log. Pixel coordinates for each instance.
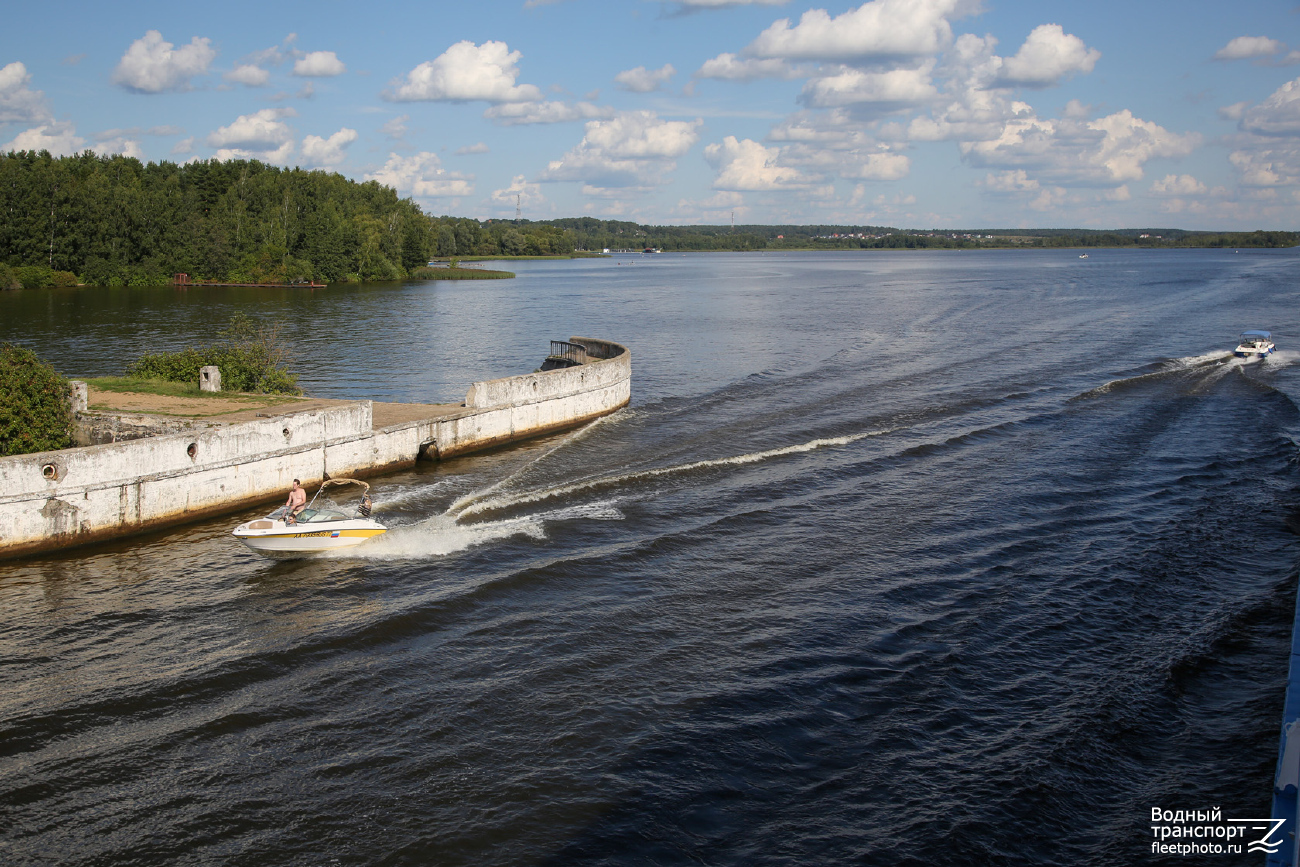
(614, 366)
(57, 500)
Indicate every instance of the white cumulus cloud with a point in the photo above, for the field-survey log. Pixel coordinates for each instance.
(18, 102)
(880, 29)
(641, 135)
(633, 149)
(319, 64)
(1246, 47)
(465, 72)
(396, 128)
(261, 135)
(317, 151)
(1178, 185)
(1267, 166)
(1279, 115)
(1013, 181)
(522, 113)
(153, 65)
(1108, 150)
(127, 147)
(642, 80)
(248, 74)
(60, 139)
(853, 160)
(973, 106)
(520, 193)
(422, 176)
(262, 130)
(1048, 55)
(729, 67)
(745, 165)
(849, 86)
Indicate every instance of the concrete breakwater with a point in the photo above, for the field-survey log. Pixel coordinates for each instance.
(55, 500)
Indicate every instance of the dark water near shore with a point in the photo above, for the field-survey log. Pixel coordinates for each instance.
(958, 558)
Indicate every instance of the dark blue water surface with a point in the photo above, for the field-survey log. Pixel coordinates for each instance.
(915, 558)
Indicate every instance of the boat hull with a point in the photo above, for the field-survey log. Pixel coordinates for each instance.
(304, 540)
(1259, 352)
(1255, 344)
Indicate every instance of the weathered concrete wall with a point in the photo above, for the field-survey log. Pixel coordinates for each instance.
(97, 428)
(56, 499)
(74, 496)
(500, 411)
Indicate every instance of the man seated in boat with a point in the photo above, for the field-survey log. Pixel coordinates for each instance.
(296, 503)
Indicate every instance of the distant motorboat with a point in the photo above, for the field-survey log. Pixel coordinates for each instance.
(1254, 344)
(1083, 255)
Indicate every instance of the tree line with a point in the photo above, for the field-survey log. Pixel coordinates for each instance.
(115, 221)
(595, 234)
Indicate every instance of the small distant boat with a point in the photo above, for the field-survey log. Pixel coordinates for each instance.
(313, 530)
(1083, 255)
(1254, 344)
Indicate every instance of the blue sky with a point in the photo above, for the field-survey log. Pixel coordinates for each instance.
(913, 113)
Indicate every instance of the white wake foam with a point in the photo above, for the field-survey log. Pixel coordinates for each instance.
(1282, 358)
(460, 503)
(1198, 360)
(1218, 364)
(441, 535)
(473, 504)
(445, 534)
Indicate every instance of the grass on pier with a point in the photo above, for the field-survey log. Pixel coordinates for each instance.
(140, 385)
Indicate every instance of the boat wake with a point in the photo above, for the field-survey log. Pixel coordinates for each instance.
(1282, 358)
(484, 502)
(1206, 369)
(466, 523)
(460, 504)
(518, 505)
(441, 535)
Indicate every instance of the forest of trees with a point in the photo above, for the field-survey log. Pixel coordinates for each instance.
(115, 221)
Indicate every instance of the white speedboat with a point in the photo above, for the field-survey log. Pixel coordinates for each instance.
(314, 530)
(1254, 344)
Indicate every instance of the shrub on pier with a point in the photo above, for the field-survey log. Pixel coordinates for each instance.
(252, 357)
(35, 415)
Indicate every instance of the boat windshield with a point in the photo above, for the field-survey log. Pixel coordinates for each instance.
(317, 516)
(329, 511)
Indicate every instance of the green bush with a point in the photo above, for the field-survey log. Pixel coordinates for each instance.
(252, 358)
(8, 279)
(35, 415)
(41, 277)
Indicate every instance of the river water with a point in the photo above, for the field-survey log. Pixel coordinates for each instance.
(896, 558)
